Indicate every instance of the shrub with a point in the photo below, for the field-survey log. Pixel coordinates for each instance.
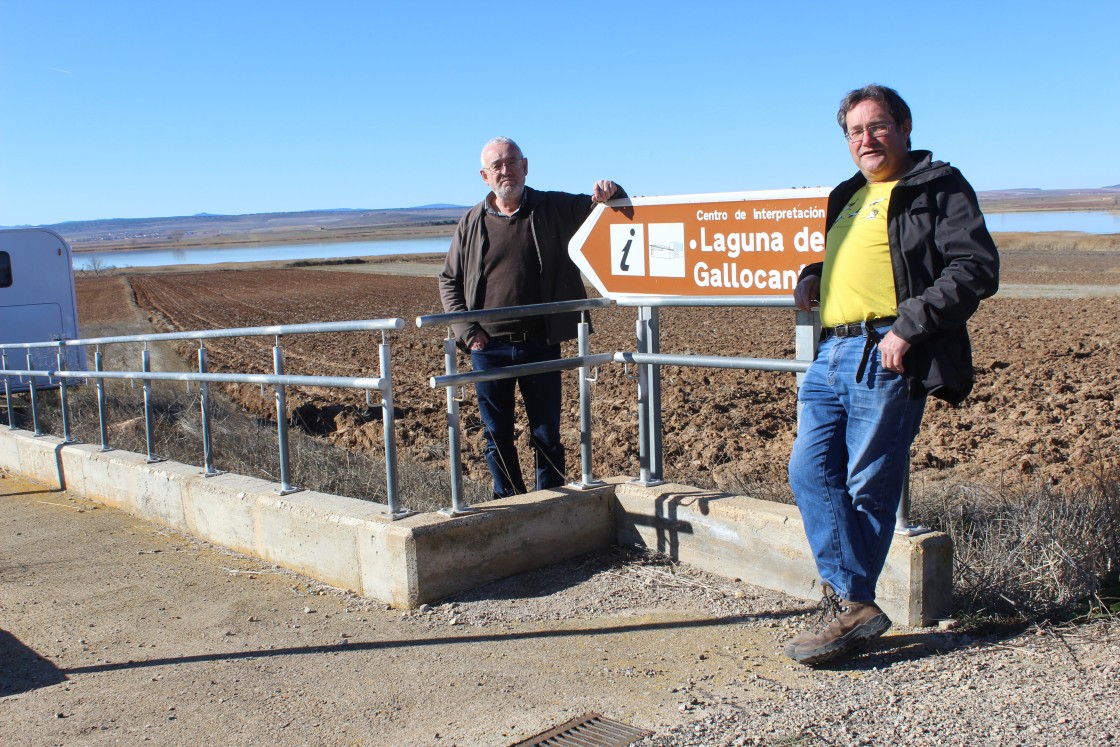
(1031, 553)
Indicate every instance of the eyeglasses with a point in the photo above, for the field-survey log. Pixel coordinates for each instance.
(505, 164)
(877, 130)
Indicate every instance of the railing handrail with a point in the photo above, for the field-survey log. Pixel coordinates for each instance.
(524, 369)
(345, 382)
(511, 312)
(781, 365)
(774, 302)
(277, 379)
(359, 325)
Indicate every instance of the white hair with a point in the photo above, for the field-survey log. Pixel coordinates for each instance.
(500, 140)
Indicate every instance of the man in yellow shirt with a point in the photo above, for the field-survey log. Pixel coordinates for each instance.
(907, 261)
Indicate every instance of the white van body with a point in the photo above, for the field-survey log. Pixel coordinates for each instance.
(37, 300)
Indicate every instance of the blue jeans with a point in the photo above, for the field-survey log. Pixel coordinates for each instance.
(541, 395)
(849, 463)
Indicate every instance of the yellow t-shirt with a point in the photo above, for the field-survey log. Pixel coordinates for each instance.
(858, 278)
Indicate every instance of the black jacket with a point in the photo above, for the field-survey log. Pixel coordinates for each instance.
(945, 263)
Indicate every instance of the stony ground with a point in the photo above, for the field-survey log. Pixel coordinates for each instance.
(114, 631)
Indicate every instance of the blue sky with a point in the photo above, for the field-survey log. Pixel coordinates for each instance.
(140, 109)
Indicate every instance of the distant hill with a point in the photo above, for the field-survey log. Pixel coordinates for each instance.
(1029, 198)
(437, 219)
(342, 224)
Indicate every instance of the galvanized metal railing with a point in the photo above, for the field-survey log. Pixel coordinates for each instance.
(278, 379)
(649, 360)
(452, 379)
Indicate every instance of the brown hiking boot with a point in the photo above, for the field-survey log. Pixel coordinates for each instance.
(847, 626)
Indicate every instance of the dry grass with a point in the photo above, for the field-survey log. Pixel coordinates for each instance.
(1028, 552)
(1056, 242)
(244, 445)
(1031, 553)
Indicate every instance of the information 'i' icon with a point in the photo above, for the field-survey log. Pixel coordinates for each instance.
(628, 249)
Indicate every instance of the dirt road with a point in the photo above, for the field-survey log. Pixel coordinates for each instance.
(114, 631)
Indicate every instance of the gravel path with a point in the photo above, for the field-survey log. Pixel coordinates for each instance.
(117, 631)
(1049, 687)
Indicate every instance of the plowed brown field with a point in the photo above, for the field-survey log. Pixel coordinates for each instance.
(1044, 406)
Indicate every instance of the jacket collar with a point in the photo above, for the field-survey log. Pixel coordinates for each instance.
(489, 207)
(925, 169)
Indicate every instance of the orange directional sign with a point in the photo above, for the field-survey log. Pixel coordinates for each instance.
(728, 244)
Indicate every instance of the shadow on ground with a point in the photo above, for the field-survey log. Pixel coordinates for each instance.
(22, 669)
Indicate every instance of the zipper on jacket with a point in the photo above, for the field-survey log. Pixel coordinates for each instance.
(536, 244)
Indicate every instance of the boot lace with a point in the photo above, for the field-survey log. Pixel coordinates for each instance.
(829, 608)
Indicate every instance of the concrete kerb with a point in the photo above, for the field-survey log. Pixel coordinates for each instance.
(355, 545)
(764, 543)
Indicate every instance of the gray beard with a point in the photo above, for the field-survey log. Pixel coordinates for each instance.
(509, 194)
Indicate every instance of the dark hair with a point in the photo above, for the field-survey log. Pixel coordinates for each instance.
(886, 96)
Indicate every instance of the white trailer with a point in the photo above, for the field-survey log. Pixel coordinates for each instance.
(37, 301)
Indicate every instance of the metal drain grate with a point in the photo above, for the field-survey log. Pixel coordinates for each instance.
(589, 730)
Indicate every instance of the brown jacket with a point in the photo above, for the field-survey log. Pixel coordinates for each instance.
(555, 217)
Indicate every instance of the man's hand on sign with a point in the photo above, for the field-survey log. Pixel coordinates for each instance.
(604, 190)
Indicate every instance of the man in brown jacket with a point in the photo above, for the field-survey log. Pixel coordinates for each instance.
(511, 249)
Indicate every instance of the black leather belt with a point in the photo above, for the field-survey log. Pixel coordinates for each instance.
(514, 337)
(859, 329)
(855, 329)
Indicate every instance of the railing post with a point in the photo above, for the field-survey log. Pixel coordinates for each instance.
(454, 453)
(641, 332)
(102, 409)
(902, 523)
(63, 402)
(204, 407)
(584, 342)
(807, 335)
(388, 419)
(32, 391)
(282, 421)
(651, 316)
(149, 426)
(7, 390)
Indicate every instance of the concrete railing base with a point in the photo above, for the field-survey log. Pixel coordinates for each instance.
(764, 543)
(355, 544)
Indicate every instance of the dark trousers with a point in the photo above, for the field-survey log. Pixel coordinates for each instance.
(541, 395)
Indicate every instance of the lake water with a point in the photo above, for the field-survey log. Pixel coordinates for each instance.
(1087, 222)
(208, 255)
